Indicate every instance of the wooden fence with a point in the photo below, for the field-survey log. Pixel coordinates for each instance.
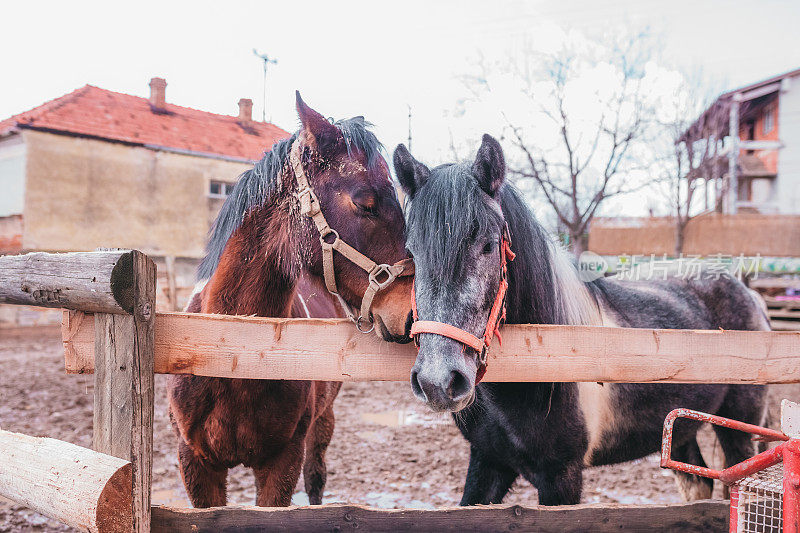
(784, 314)
(111, 329)
(745, 234)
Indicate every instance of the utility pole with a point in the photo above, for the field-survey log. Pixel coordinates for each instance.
(409, 127)
(265, 59)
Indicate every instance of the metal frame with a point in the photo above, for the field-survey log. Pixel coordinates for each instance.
(787, 452)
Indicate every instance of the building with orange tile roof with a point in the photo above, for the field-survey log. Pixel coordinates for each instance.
(97, 168)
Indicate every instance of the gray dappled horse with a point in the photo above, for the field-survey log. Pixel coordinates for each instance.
(549, 432)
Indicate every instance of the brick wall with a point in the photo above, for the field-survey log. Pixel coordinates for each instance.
(11, 234)
(768, 157)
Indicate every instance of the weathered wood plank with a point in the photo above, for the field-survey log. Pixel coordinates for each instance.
(698, 516)
(82, 488)
(78, 340)
(251, 347)
(124, 381)
(172, 286)
(98, 282)
(790, 418)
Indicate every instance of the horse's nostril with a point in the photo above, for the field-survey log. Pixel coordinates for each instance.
(459, 385)
(416, 388)
(442, 390)
(409, 323)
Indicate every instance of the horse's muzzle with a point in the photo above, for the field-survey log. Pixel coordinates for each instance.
(385, 334)
(444, 387)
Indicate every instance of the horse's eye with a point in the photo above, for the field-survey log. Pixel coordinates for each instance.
(488, 248)
(367, 208)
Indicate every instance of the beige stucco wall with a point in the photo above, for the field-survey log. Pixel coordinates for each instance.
(82, 194)
(12, 175)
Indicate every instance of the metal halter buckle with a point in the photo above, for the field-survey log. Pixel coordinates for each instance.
(381, 270)
(323, 236)
(483, 356)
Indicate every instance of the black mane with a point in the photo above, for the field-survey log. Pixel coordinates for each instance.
(454, 203)
(531, 297)
(262, 184)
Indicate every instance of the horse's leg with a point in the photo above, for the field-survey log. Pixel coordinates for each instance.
(690, 486)
(487, 482)
(205, 484)
(746, 404)
(276, 479)
(560, 487)
(315, 472)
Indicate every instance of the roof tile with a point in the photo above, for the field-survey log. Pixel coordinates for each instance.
(123, 117)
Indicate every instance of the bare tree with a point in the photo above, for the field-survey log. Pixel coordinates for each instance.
(694, 148)
(594, 155)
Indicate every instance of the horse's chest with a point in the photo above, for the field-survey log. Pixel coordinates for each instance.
(599, 416)
(526, 439)
(251, 434)
(247, 422)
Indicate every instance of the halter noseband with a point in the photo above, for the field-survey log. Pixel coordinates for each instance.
(380, 276)
(496, 315)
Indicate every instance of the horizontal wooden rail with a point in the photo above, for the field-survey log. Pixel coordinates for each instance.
(82, 488)
(95, 282)
(597, 518)
(267, 348)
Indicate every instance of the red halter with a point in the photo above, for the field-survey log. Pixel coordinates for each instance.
(496, 316)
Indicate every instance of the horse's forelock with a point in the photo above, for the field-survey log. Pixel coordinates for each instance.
(358, 136)
(447, 215)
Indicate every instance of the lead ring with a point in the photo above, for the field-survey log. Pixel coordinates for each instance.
(358, 325)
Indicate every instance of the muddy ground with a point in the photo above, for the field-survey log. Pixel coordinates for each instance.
(387, 451)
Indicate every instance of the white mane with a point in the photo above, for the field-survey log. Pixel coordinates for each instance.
(577, 304)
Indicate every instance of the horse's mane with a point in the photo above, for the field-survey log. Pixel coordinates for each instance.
(543, 280)
(544, 287)
(262, 184)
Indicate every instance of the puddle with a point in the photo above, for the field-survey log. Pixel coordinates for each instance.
(372, 436)
(406, 418)
(300, 498)
(387, 418)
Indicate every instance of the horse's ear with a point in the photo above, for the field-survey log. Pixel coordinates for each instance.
(490, 165)
(411, 173)
(325, 134)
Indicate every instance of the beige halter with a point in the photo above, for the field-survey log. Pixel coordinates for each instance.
(380, 276)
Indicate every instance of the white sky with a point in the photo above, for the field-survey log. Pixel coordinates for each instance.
(358, 58)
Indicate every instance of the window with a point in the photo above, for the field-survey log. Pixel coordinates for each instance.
(219, 189)
(769, 119)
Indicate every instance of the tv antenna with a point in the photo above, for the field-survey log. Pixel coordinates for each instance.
(409, 127)
(265, 59)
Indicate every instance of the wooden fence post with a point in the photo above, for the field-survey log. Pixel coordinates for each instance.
(172, 287)
(82, 488)
(123, 395)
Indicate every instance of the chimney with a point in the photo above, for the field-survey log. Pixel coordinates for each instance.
(158, 93)
(245, 110)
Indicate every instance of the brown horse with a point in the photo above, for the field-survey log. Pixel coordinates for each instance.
(260, 245)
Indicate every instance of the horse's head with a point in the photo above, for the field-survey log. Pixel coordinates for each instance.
(350, 179)
(455, 231)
